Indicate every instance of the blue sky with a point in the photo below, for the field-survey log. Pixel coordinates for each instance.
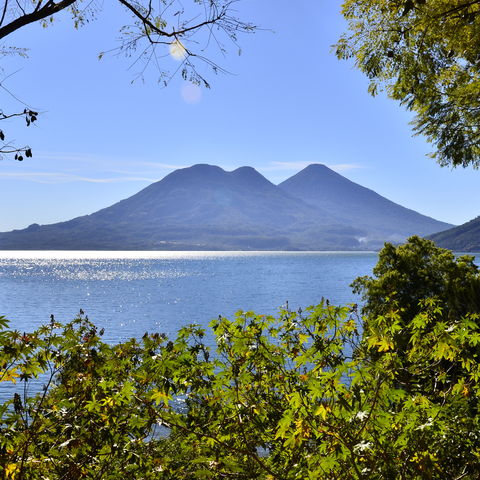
(288, 103)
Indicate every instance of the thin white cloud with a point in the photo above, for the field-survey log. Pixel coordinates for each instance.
(55, 177)
(90, 168)
(163, 166)
(105, 160)
(275, 166)
(278, 166)
(70, 157)
(123, 170)
(343, 167)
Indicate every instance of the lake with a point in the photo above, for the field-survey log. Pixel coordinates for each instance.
(129, 293)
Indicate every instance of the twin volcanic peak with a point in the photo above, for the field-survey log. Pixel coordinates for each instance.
(203, 207)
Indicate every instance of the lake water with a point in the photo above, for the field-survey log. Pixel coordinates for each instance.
(129, 293)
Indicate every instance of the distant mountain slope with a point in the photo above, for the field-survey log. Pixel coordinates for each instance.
(358, 206)
(206, 208)
(205, 194)
(464, 238)
(201, 207)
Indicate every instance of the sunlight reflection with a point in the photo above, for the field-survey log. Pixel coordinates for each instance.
(161, 254)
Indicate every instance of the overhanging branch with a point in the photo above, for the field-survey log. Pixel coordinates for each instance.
(175, 33)
(50, 8)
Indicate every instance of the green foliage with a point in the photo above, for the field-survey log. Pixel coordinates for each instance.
(303, 395)
(425, 54)
(407, 275)
(252, 410)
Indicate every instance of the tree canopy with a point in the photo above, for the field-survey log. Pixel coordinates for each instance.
(425, 54)
(186, 31)
(407, 275)
(166, 26)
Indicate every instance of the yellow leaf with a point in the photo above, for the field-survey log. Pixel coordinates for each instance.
(11, 470)
(302, 428)
(108, 402)
(9, 375)
(322, 410)
(350, 326)
(384, 345)
(444, 350)
(158, 397)
(303, 338)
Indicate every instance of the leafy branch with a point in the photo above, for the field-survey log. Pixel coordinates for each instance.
(7, 148)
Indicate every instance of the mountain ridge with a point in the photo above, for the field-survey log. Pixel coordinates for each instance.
(463, 238)
(207, 208)
(318, 185)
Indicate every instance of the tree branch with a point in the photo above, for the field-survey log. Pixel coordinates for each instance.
(5, 5)
(173, 33)
(50, 8)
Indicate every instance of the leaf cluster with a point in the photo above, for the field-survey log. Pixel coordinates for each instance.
(6, 147)
(425, 54)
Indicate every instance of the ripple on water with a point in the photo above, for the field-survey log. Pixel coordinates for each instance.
(129, 293)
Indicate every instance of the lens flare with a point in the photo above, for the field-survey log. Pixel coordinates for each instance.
(177, 50)
(191, 93)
